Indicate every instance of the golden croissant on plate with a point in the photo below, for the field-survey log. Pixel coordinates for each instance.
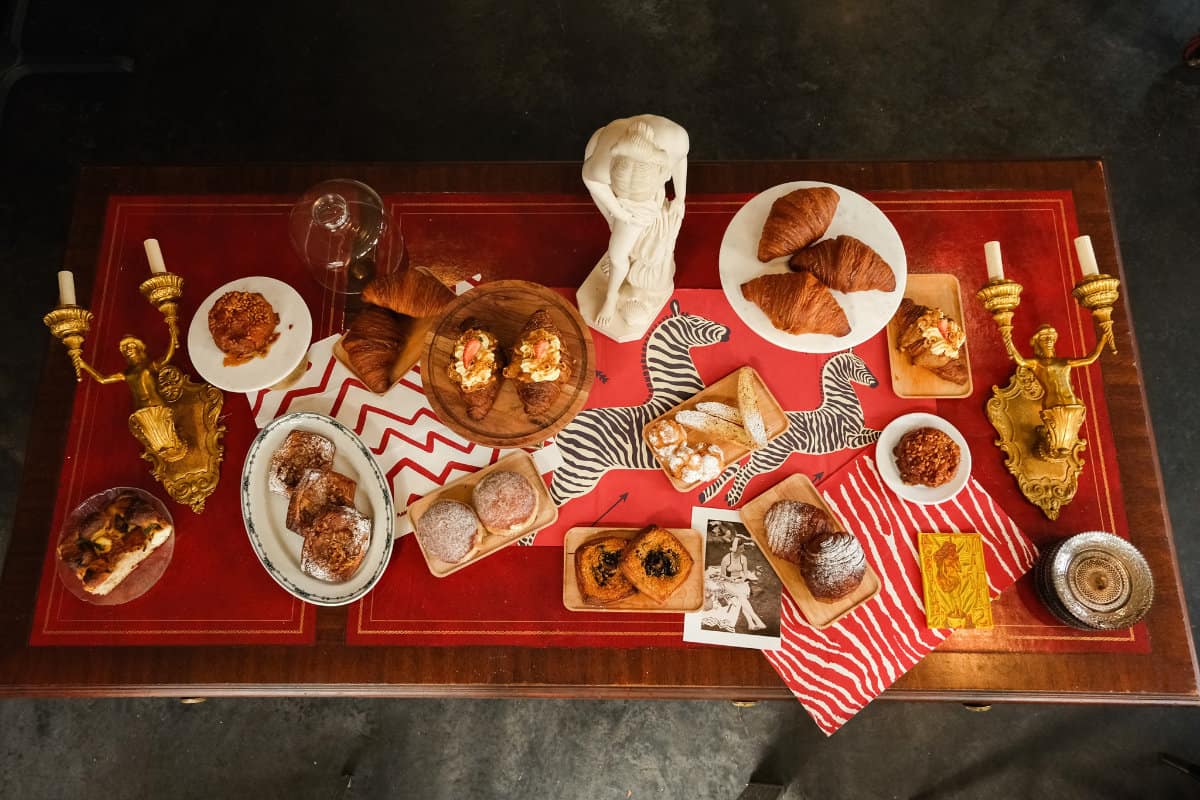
(796, 302)
(847, 265)
(796, 220)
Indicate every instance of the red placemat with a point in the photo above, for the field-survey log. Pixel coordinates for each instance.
(942, 232)
(215, 591)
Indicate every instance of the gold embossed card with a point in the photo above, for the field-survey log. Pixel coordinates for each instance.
(955, 580)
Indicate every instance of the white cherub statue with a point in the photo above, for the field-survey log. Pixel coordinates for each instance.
(625, 168)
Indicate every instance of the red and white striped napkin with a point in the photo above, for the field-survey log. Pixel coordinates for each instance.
(834, 673)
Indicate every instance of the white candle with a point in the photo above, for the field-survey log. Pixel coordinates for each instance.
(995, 266)
(1087, 256)
(154, 255)
(66, 288)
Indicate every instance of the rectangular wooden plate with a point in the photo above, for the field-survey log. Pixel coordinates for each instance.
(725, 391)
(908, 380)
(460, 490)
(819, 614)
(688, 597)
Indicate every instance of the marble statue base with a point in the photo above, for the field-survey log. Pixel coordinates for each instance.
(637, 309)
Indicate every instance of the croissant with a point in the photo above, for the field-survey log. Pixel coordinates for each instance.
(476, 368)
(913, 322)
(372, 345)
(413, 292)
(539, 365)
(847, 265)
(796, 220)
(796, 302)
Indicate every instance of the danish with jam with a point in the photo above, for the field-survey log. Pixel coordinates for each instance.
(539, 366)
(476, 369)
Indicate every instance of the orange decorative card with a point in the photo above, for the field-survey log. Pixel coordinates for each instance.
(955, 580)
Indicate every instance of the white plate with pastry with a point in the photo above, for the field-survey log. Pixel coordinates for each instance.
(249, 334)
(317, 509)
(832, 267)
(923, 458)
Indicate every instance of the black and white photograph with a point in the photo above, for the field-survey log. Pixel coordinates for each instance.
(742, 594)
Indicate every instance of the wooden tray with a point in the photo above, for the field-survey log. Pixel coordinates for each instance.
(941, 291)
(460, 490)
(503, 307)
(687, 598)
(725, 391)
(819, 615)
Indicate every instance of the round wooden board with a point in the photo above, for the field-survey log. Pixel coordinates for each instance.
(503, 307)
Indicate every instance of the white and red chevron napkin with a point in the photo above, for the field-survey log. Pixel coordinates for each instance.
(834, 673)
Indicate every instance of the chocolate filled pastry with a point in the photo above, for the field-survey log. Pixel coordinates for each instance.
(538, 365)
(833, 565)
(598, 571)
(242, 325)
(317, 492)
(656, 563)
(336, 544)
(413, 292)
(449, 530)
(300, 452)
(476, 369)
(110, 543)
(926, 456)
(372, 344)
(932, 340)
(797, 302)
(505, 502)
(796, 220)
(847, 265)
(791, 524)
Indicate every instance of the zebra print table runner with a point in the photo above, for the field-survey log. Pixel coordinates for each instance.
(834, 673)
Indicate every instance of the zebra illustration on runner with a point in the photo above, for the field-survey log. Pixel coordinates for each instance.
(600, 439)
(835, 425)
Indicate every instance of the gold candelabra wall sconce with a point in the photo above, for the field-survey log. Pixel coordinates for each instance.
(1038, 416)
(175, 420)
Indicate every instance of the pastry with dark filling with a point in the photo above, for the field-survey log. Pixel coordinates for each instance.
(110, 543)
(598, 572)
(656, 563)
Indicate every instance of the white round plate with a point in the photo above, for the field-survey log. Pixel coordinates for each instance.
(886, 462)
(295, 335)
(867, 312)
(264, 512)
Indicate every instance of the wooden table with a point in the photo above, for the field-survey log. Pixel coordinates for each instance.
(1166, 675)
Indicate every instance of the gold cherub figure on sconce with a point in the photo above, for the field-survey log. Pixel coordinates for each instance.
(1038, 416)
(174, 419)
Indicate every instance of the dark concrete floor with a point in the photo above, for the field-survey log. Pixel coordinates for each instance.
(382, 81)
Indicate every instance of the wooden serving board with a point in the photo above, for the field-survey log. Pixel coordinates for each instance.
(503, 307)
(908, 380)
(819, 614)
(687, 598)
(725, 391)
(461, 489)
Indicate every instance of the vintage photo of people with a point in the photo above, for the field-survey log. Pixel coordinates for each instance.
(742, 594)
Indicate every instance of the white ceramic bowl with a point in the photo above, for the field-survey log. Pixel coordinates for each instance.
(886, 461)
